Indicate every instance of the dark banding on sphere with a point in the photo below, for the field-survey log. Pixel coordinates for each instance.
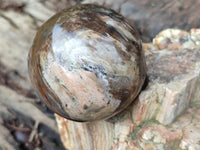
(87, 63)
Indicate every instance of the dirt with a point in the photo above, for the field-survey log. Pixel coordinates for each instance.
(30, 135)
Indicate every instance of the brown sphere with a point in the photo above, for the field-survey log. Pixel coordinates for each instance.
(87, 63)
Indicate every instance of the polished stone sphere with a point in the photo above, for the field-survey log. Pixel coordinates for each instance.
(87, 63)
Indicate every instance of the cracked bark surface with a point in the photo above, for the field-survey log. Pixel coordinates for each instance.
(19, 21)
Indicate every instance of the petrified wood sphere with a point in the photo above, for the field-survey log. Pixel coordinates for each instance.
(87, 63)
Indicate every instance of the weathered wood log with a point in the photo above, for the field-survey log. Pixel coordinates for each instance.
(173, 62)
(18, 24)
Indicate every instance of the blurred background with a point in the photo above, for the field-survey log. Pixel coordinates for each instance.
(25, 122)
